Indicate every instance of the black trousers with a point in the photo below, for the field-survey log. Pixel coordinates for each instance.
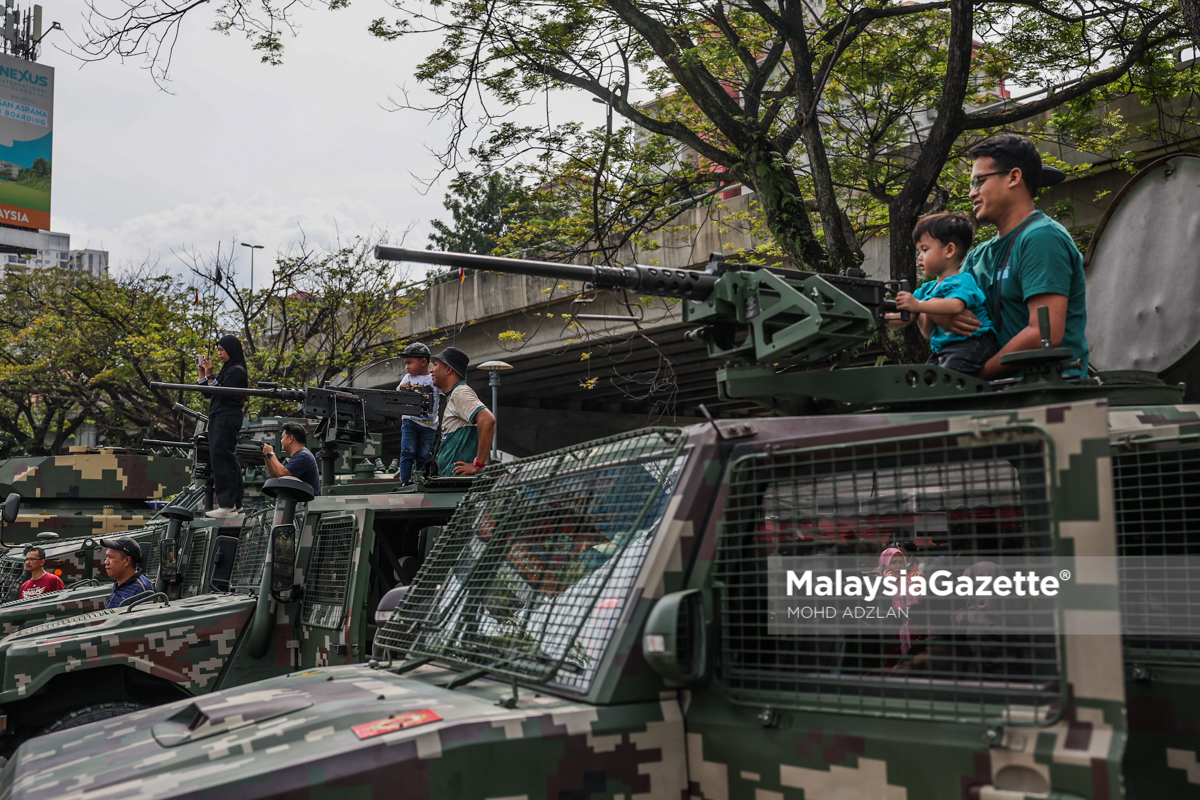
(222, 458)
(969, 355)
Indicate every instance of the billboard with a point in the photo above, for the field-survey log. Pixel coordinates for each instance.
(26, 135)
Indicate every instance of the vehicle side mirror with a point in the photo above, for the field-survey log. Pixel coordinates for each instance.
(283, 559)
(10, 509)
(675, 639)
(168, 565)
(220, 569)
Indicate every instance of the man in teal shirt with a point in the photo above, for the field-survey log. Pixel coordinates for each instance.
(1032, 261)
(467, 426)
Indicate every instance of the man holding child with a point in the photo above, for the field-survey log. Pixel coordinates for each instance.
(1031, 262)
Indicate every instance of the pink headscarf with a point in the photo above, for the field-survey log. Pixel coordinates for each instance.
(900, 600)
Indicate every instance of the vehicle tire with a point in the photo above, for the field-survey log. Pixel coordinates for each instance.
(94, 713)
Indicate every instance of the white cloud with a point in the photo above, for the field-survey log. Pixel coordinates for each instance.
(199, 227)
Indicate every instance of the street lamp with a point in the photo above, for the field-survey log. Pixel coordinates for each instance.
(494, 368)
(252, 247)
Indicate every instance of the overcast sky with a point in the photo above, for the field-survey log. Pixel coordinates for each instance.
(242, 150)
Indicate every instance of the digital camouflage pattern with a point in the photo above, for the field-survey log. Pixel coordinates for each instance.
(627, 733)
(196, 644)
(554, 648)
(89, 491)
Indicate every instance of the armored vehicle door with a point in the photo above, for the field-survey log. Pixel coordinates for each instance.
(815, 692)
(1156, 482)
(333, 580)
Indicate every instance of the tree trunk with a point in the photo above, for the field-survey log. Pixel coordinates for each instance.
(905, 208)
(783, 206)
(1191, 15)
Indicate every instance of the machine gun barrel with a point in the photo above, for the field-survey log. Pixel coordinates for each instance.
(691, 284)
(164, 443)
(196, 415)
(278, 394)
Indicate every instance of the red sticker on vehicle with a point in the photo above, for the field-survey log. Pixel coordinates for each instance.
(396, 722)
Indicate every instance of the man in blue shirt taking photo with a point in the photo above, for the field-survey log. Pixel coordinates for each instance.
(301, 463)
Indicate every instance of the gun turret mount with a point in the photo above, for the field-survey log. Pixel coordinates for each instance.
(763, 322)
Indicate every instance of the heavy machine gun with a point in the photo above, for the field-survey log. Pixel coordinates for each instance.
(763, 322)
(344, 413)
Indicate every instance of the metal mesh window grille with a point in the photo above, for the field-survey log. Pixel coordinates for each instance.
(197, 564)
(1157, 491)
(150, 547)
(252, 550)
(11, 570)
(328, 572)
(532, 574)
(951, 502)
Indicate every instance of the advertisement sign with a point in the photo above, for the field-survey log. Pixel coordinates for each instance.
(26, 135)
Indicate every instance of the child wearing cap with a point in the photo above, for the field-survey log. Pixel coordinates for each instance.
(417, 432)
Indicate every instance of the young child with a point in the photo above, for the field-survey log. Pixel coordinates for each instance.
(942, 243)
(417, 433)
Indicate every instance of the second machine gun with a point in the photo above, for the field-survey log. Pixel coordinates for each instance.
(345, 414)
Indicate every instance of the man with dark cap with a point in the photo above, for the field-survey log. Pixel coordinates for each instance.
(1032, 261)
(123, 563)
(468, 427)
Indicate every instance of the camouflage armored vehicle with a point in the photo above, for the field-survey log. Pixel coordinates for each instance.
(630, 617)
(89, 491)
(217, 623)
(79, 561)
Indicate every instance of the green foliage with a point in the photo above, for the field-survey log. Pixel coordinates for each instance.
(77, 349)
(38, 170)
(483, 209)
(325, 313)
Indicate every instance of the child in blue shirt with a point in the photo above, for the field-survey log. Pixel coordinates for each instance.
(942, 243)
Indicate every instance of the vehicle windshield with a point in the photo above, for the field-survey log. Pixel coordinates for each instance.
(533, 572)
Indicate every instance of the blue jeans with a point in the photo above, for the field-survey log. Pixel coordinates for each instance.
(416, 444)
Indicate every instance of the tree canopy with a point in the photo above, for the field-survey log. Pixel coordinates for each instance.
(78, 349)
(482, 209)
(841, 117)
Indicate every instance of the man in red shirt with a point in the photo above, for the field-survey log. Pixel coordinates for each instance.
(40, 582)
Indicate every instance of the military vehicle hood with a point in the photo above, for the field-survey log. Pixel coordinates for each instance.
(186, 642)
(84, 596)
(346, 723)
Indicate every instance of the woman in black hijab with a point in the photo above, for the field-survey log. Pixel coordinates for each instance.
(224, 423)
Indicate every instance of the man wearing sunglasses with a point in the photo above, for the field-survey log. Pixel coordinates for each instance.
(40, 582)
(1031, 262)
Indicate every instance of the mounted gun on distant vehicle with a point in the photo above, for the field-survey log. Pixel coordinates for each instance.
(345, 412)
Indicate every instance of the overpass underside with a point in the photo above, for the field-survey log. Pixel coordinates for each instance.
(574, 378)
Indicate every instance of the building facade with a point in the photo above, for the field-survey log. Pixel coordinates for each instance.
(48, 249)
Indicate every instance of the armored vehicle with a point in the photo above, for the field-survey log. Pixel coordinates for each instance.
(637, 616)
(89, 491)
(192, 540)
(215, 622)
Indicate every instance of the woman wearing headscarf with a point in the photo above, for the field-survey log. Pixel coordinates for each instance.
(224, 423)
(892, 563)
